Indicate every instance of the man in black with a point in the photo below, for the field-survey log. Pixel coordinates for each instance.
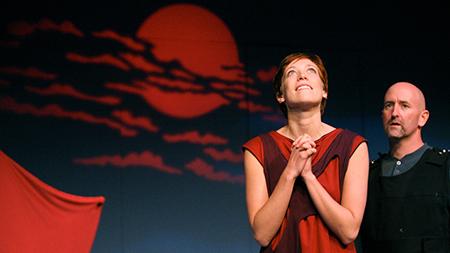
(407, 205)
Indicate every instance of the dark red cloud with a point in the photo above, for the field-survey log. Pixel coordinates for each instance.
(64, 27)
(182, 105)
(202, 169)
(195, 137)
(142, 122)
(139, 62)
(236, 87)
(267, 75)
(133, 159)
(125, 40)
(30, 72)
(99, 59)
(182, 85)
(53, 110)
(68, 90)
(4, 82)
(225, 155)
(234, 95)
(22, 28)
(182, 74)
(275, 118)
(252, 107)
(10, 43)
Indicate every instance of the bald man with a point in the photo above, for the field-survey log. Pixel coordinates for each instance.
(407, 206)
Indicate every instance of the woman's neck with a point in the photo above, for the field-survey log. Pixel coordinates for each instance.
(304, 123)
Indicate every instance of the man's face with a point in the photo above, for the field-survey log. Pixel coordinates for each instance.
(402, 111)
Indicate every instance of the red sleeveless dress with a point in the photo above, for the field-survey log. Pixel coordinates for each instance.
(302, 229)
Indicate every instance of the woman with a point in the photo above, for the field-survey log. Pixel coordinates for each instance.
(306, 183)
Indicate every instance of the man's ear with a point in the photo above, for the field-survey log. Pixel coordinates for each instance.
(423, 118)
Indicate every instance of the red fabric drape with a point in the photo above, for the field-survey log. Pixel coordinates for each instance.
(35, 217)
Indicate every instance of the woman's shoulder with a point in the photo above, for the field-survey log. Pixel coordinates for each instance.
(256, 147)
(349, 132)
(256, 141)
(355, 138)
(344, 134)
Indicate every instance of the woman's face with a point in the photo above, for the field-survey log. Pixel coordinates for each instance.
(301, 85)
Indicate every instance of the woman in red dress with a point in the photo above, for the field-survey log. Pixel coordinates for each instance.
(306, 183)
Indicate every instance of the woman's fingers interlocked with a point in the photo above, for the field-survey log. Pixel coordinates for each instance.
(304, 144)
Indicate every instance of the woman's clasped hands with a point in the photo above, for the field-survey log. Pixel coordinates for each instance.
(302, 150)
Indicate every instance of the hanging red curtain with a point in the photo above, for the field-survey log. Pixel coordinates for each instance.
(37, 218)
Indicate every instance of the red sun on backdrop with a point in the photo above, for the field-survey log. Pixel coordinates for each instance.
(195, 37)
(202, 44)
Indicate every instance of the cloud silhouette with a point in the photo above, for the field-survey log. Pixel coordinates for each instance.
(53, 110)
(267, 75)
(140, 63)
(22, 28)
(178, 84)
(236, 87)
(225, 155)
(68, 90)
(181, 105)
(133, 159)
(10, 43)
(195, 137)
(252, 107)
(4, 82)
(107, 59)
(278, 118)
(125, 40)
(234, 95)
(182, 74)
(142, 122)
(30, 72)
(202, 169)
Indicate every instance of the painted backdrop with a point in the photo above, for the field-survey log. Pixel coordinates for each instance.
(148, 103)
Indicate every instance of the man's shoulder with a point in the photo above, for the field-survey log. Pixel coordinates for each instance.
(377, 162)
(441, 151)
(437, 156)
(441, 154)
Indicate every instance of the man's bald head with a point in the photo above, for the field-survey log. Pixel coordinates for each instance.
(415, 94)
